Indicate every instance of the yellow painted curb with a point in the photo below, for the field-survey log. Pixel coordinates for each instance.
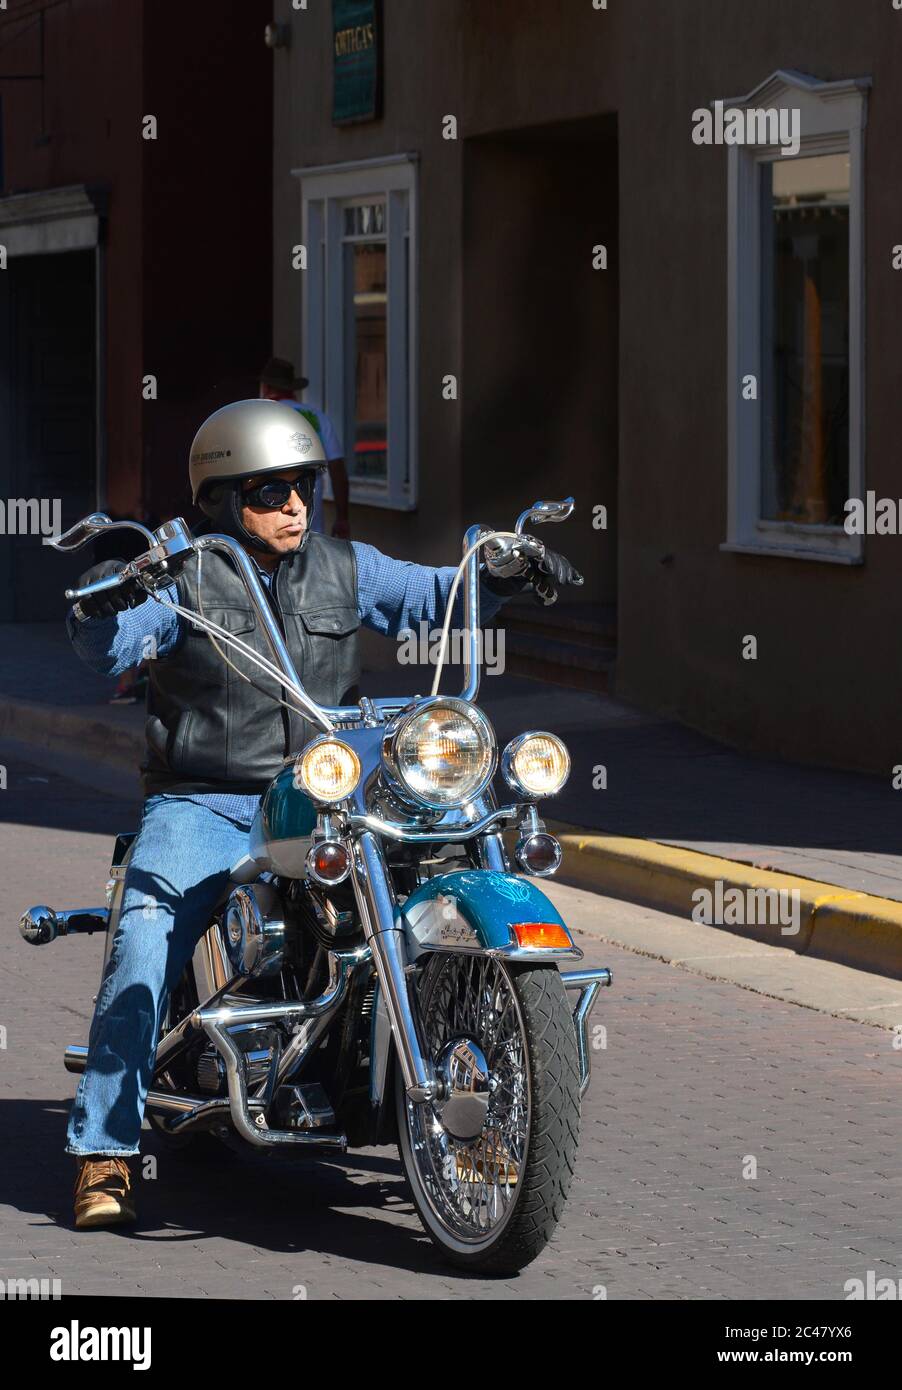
(836, 923)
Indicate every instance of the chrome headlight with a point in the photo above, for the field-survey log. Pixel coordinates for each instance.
(328, 770)
(535, 764)
(442, 754)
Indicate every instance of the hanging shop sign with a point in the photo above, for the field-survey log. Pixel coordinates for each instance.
(356, 61)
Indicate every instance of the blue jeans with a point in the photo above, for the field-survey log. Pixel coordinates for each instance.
(178, 868)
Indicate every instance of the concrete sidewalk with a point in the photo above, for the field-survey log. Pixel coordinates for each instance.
(672, 810)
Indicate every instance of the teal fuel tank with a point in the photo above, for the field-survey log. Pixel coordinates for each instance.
(283, 827)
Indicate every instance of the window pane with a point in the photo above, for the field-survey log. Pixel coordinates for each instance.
(365, 219)
(805, 339)
(366, 360)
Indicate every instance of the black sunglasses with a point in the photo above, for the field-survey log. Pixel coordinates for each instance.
(277, 491)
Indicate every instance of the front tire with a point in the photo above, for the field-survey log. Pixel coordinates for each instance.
(492, 1204)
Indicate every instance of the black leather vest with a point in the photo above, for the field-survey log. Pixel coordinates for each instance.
(209, 730)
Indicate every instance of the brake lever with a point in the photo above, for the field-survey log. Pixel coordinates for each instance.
(99, 586)
(531, 547)
(155, 568)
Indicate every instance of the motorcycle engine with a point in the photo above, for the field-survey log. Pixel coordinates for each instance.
(327, 918)
(257, 1042)
(270, 924)
(253, 930)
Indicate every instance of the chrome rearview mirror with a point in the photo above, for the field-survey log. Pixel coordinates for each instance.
(90, 526)
(82, 531)
(544, 511)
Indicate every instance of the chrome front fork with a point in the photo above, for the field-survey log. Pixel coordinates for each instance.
(380, 918)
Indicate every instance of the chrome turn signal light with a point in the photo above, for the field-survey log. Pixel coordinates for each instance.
(535, 764)
(328, 862)
(539, 854)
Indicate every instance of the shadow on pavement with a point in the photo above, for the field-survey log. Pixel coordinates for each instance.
(269, 1203)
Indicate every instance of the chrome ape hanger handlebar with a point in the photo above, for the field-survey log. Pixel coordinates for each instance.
(173, 543)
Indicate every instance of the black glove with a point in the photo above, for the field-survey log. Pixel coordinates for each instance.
(113, 601)
(546, 576)
(550, 574)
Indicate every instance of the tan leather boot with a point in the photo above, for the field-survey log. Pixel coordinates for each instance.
(103, 1192)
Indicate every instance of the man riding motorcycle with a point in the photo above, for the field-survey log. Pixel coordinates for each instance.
(216, 735)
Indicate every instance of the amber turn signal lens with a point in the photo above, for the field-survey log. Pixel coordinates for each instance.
(548, 934)
(328, 862)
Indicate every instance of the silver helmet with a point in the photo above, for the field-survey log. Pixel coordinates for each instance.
(243, 440)
(246, 438)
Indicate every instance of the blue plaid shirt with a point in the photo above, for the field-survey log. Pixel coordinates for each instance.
(393, 596)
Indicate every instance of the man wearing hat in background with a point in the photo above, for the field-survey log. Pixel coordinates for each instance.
(279, 383)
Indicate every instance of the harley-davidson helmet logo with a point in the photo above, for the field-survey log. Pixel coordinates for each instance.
(300, 441)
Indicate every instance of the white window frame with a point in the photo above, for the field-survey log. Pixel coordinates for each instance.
(325, 191)
(833, 119)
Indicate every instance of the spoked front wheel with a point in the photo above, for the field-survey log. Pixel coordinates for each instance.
(490, 1164)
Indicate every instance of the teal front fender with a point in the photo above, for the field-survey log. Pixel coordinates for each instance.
(479, 910)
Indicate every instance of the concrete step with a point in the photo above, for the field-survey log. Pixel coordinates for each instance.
(570, 643)
(559, 663)
(586, 623)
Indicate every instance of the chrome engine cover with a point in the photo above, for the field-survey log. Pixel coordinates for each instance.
(211, 1073)
(253, 930)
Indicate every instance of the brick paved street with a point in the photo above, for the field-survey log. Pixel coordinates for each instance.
(698, 1074)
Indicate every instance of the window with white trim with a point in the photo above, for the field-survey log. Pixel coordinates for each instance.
(795, 332)
(359, 322)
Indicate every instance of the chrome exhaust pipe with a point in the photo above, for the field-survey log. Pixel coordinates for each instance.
(185, 1111)
(588, 982)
